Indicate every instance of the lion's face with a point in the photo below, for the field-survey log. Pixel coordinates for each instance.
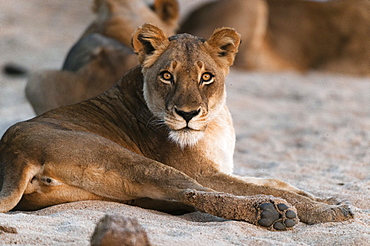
(185, 88)
(184, 79)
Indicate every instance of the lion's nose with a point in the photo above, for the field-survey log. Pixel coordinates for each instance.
(187, 115)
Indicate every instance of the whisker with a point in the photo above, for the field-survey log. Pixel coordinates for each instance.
(156, 122)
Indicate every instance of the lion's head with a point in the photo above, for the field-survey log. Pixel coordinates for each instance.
(118, 19)
(184, 78)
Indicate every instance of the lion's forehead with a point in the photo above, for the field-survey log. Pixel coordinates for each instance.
(186, 37)
(189, 62)
(178, 66)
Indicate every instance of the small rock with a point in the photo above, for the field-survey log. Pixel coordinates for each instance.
(14, 69)
(118, 230)
(8, 229)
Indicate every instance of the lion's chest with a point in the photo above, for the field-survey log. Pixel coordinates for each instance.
(219, 144)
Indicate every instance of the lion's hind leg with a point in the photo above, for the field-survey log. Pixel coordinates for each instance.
(44, 191)
(277, 184)
(15, 175)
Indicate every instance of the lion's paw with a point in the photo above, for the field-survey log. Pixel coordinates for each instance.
(277, 216)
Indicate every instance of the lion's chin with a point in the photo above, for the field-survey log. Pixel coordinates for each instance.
(186, 137)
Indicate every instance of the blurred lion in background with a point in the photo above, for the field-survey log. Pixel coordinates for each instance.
(102, 55)
(331, 36)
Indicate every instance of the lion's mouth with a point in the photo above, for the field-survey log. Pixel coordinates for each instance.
(186, 129)
(185, 133)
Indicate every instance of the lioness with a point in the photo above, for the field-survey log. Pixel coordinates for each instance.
(102, 55)
(92, 66)
(163, 132)
(118, 19)
(301, 35)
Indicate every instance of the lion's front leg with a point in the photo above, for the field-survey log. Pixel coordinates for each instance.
(265, 211)
(309, 210)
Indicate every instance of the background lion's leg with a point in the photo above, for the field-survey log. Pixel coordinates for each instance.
(309, 211)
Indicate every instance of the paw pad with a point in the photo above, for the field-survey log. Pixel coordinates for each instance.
(278, 217)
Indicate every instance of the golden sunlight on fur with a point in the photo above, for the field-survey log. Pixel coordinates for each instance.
(120, 146)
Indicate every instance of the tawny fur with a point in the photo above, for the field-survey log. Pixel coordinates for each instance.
(105, 58)
(118, 19)
(278, 35)
(116, 146)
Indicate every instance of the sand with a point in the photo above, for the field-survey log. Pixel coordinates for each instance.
(312, 130)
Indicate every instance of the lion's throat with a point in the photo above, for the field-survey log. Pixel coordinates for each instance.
(186, 138)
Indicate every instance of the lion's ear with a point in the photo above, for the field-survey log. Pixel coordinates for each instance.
(167, 10)
(223, 45)
(148, 43)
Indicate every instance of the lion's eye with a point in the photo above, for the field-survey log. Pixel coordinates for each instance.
(207, 78)
(166, 77)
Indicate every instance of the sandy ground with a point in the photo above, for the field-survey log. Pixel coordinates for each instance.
(312, 130)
